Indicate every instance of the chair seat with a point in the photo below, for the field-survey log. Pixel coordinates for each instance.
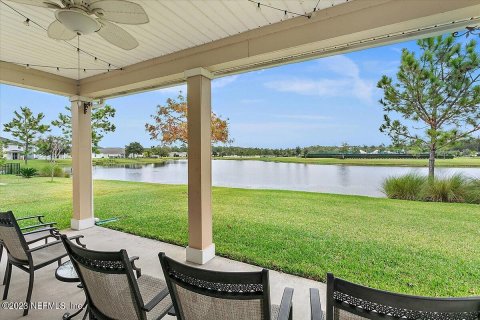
(48, 254)
(149, 287)
(38, 235)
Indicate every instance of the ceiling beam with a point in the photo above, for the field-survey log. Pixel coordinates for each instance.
(290, 40)
(20, 76)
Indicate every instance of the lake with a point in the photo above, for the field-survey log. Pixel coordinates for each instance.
(341, 179)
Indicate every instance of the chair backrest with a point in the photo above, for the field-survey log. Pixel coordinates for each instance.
(206, 294)
(109, 283)
(13, 238)
(349, 301)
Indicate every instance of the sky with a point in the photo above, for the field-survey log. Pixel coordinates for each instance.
(326, 101)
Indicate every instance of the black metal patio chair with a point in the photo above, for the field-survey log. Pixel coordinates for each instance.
(350, 301)
(207, 294)
(38, 231)
(112, 290)
(25, 258)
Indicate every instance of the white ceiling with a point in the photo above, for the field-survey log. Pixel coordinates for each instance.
(174, 25)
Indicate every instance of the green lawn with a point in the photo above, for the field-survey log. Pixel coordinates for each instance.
(456, 162)
(410, 247)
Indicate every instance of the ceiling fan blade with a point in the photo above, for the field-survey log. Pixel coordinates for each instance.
(39, 3)
(56, 30)
(119, 11)
(117, 35)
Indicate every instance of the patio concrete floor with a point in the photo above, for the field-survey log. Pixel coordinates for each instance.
(48, 289)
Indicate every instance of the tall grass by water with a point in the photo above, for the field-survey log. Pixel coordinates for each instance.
(413, 186)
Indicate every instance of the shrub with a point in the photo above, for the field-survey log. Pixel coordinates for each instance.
(46, 171)
(456, 188)
(447, 189)
(473, 191)
(28, 172)
(407, 187)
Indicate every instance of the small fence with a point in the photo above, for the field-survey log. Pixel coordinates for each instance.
(375, 156)
(10, 168)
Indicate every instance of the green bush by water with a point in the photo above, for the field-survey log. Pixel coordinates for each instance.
(46, 171)
(407, 187)
(412, 186)
(28, 172)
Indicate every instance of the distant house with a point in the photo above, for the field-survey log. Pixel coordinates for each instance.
(177, 154)
(12, 150)
(109, 153)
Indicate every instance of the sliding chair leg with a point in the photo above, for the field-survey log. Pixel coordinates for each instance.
(8, 275)
(59, 262)
(29, 293)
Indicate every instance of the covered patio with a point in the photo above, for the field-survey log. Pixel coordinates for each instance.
(106, 239)
(193, 43)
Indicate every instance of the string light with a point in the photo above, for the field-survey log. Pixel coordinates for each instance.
(336, 48)
(29, 21)
(259, 5)
(58, 68)
(470, 30)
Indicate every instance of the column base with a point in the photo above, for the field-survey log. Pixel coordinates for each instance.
(82, 224)
(201, 256)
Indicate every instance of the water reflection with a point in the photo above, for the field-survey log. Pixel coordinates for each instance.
(343, 175)
(341, 179)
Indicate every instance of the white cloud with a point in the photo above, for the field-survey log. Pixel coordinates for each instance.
(346, 82)
(341, 65)
(222, 82)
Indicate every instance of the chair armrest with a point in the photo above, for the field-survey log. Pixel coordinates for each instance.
(48, 224)
(285, 312)
(40, 230)
(138, 270)
(156, 300)
(38, 217)
(52, 232)
(76, 238)
(315, 305)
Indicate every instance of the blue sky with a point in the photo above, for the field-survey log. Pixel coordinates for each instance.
(324, 101)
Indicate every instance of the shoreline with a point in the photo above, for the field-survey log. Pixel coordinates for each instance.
(462, 162)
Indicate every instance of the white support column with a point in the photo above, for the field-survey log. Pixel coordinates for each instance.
(82, 217)
(200, 242)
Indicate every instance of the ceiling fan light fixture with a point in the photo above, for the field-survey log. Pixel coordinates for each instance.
(77, 21)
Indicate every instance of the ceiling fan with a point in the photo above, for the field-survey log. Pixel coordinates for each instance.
(82, 17)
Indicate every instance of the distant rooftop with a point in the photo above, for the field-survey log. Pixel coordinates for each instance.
(9, 141)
